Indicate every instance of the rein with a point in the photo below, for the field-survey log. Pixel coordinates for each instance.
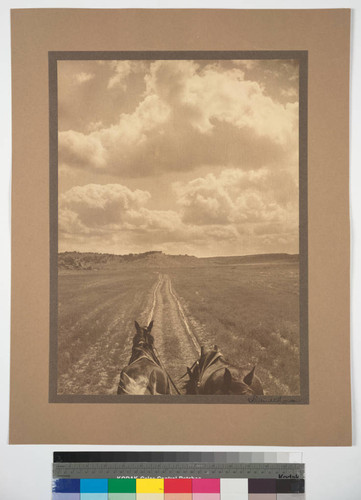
(191, 368)
(164, 368)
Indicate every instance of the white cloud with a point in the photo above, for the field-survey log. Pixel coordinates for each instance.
(237, 197)
(110, 147)
(223, 95)
(114, 212)
(93, 126)
(189, 115)
(99, 206)
(122, 70)
(84, 150)
(238, 121)
(290, 92)
(245, 63)
(204, 201)
(224, 212)
(83, 77)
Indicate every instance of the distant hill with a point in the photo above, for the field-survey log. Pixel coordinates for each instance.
(87, 261)
(256, 259)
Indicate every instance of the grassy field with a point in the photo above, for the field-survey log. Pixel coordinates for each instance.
(96, 311)
(251, 311)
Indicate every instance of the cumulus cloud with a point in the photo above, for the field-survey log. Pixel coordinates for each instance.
(204, 201)
(122, 70)
(115, 213)
(227, 131)
(106, 147)
(290, 92)
(83, 77)
(226, 212)
(213, 94)
(84, 149)
(95, 208)
(189, 115)
(247, 64)
(237, 197)
(99, 206)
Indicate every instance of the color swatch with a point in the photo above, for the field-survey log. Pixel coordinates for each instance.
(122, 489)
(178, 476)
(179, 489)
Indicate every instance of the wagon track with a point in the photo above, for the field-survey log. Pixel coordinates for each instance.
(184, 318)
(98, 342)
(175, 342)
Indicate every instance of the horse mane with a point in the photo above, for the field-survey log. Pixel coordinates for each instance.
(145, 351)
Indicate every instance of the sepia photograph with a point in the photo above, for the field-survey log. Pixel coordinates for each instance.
(179, 229)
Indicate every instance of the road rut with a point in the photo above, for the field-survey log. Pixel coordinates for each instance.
(174, 339)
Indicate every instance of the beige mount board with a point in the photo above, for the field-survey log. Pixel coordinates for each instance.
(326, 418)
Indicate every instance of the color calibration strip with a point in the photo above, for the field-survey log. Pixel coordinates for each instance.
(220, 457)
(179, 489)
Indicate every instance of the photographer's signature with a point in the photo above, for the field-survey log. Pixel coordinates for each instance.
(271, 399)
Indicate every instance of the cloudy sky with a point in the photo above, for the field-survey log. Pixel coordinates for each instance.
(188, 157)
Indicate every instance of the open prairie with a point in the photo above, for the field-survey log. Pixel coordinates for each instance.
(248, 307)
(251, 311)
(96, 311)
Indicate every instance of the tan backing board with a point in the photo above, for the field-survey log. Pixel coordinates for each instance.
(326, 420)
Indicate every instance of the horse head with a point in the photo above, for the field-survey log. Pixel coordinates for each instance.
(144, 373)
(143, 335)
(212, 374)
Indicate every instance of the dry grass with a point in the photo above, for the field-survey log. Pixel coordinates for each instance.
(251, 311)
(96, 310)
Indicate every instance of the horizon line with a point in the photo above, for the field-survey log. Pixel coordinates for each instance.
(177, 255)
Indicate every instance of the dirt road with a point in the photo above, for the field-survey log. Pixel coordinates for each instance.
(175, 342)
(96, 327)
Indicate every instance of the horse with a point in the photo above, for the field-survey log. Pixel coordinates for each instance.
(144, 373)
(212, 374)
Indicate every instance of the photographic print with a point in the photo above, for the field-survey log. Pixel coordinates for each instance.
(178, 227)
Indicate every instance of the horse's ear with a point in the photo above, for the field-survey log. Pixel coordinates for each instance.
(137, 327)
(248, 379)
(216, 347)
(202, 350)
(150, 326)
(227, 378)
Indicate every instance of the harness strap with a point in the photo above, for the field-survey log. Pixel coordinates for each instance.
(207, 363)
(164, 368)
(191, 368)
(156, 360)
(145, 355)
